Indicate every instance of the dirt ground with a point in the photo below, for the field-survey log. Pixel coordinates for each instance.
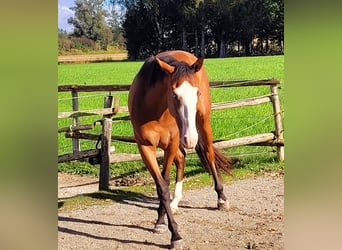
(255, 221)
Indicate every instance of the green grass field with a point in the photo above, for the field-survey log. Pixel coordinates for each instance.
(227, 124)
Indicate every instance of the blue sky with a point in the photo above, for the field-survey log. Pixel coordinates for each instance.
(64, 13)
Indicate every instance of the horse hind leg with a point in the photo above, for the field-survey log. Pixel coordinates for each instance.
(212, 168)
(178, 194)
(214, 162)
(222, 201)
(224, 164)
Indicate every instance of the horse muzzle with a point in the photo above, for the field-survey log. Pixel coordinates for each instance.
(189, 142)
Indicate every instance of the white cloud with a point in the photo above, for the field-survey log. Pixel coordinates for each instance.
(64, 13)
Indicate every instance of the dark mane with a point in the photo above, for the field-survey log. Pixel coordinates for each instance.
(151, 73)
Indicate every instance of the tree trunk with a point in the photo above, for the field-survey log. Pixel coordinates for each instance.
(196, 43)
(282, 45)
(184, 40)
(267, 46)
(247, 45)
(222, 52)
(202, 42)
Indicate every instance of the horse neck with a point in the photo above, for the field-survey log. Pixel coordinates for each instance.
(155, 98)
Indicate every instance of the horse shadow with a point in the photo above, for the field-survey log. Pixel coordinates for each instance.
(125, 197)
(120, 196)
(97, 237)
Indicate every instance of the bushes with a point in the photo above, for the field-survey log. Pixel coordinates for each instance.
(82, 45)
(78, 45)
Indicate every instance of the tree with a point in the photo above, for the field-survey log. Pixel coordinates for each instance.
(201, 19)
(114, 20)
(89, 20)
(141, 38)
(276, 10)
(150, 27)
(213, 26)
(106, 37)
(221, 24)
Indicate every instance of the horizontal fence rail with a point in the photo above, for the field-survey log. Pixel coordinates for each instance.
(117, 87)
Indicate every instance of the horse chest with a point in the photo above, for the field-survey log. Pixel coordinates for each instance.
(160, 132)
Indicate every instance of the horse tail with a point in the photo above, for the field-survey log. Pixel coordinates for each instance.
(222, 162)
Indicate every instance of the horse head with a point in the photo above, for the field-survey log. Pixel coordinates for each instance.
(183, 96)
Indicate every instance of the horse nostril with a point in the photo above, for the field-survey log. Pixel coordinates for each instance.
(188, 142)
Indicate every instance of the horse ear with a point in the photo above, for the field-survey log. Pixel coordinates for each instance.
(198, 64)
(165, 66)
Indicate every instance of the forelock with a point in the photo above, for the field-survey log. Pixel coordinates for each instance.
(182, 71)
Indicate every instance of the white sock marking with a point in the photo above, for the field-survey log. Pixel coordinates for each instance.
(177, 196)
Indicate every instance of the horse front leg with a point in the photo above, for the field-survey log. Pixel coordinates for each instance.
(169, 155)
(148, 155)
(178, 194)
(160, 226)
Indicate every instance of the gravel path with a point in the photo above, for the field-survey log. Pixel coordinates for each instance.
(255, 220)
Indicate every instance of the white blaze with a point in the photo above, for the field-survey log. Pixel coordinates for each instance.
(187, 96)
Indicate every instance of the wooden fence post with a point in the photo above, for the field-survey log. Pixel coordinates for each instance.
(279, 132)
(106, 145)
(75, 142)
(105, 153)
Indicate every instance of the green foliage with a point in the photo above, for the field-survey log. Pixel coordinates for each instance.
(223, 27)
(83, 43)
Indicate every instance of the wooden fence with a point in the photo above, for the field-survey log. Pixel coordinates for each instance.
(104, 156)
(92, 58)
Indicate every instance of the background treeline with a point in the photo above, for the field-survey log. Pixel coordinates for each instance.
(211, 28)
(96, 28)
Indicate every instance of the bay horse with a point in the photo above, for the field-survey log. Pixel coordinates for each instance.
(169, 105)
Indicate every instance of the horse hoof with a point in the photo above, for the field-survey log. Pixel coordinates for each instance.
(160, 228)
(223, 205)
(177, 244)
